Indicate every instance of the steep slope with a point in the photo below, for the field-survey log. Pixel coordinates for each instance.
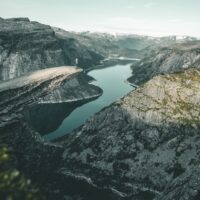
(53, 85)
(31, 154)
(171, 59)
(143, 147)
(28, 46)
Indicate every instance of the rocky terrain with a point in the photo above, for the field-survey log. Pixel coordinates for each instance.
(143, 147)
(43, 86)
(177, 57)
(28, 46)
(50, 110)
(31, 154)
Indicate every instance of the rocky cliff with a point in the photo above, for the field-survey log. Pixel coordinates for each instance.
(34, 157)
(28, 46)
(176, 57)
(44, 86)
(143, 147)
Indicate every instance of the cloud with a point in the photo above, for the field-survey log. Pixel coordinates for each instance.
(174, 20)
(149, 4)
(146, 5)
(131, 6)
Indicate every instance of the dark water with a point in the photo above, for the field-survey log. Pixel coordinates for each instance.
(45, 118)
(113, 82)
(56, 120)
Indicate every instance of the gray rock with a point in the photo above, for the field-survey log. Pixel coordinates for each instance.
(28, 46)
(33, 156)
(144, 146)
(174, 58)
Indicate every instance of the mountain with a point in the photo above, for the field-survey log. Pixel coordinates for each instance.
(127, 45)
(177, 57)
(144, 146)
(28, 46)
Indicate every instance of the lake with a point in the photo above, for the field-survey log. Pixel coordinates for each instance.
(64, 118)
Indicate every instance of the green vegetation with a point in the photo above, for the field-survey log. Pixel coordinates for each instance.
(13, 184)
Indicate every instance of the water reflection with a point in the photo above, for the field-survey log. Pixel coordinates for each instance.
(45, 118)
(56, 120)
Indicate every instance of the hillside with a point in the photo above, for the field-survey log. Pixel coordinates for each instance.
(144, 146)
(28, 46)
(174, 58)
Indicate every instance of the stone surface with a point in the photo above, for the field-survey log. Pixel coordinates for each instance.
(33, 156)
(177, 57)
(28, 46)
(145, 146)
(42, 86)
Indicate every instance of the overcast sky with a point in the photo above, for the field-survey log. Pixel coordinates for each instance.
(149, 17)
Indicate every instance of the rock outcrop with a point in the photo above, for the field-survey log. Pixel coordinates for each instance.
(33, 156)
(145, 146)
(28, 46)
(53, 107)
(166, 60)
(42, 86)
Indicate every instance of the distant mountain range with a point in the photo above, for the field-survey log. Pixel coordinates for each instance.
(27, 46)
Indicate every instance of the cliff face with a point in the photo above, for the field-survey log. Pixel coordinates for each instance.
(171, 59)
(54, 107)
(145, 146)
(34, 157)
(46, 86)
(73, 90)
(28, 46)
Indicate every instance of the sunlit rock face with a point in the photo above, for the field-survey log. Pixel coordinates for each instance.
(73, 90)
(174, 58)
(53, 85)
(146, 145)
(28, 46)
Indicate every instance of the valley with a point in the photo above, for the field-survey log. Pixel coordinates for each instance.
(100, 116)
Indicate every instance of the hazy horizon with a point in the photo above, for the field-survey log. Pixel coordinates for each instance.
(143, 17)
